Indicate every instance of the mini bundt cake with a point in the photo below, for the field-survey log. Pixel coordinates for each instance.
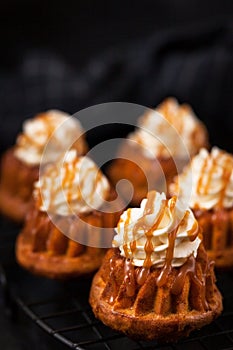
(207, 186)
(157, 283)
(158, 149)
(71, 221)
(20, 164)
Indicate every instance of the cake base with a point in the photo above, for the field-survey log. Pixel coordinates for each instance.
(54, 266)
(148, 325)
(16, 186)
(217, 225)
(68, 246)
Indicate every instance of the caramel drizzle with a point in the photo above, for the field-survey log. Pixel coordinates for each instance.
(174, 114)
(201, 177)
(39, 191)
(227, 167)
(94, 184)
(162, 278)
(68, 179)
(112, 264)
(142, 274)
(138, 276)
(67, 183)
(38, 200)
(166, 269)
(129, 279)
(134, 277)
(193, 232)
(82, 183)
(49, 128)
(126, 232)
(188, 268)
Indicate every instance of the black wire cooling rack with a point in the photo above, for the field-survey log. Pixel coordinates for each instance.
(61, 309)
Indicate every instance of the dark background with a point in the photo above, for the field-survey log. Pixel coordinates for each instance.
(73, 54)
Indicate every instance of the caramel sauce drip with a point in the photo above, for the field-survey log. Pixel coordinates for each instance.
(227, 167)
(137, 276)
(129, 278)
(226, 178)
(175, 115)
(166, 269)
(133, 247)
(194, 231)
(81, 184)
(188, 268)
(141, 224)
(96, 182)
(48, 130)
(201, 177)
(149, 248)
(112, 263)
(126, 232)
(162, 278)
(39, 200)
(39, 192)
(67, 183)
(142, 274)
(68, 179)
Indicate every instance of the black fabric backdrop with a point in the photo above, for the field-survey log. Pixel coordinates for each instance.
(56, 57)
(192, 62)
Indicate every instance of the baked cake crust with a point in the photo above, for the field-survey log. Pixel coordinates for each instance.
(44, 250)
(16, 186)
(153, 312)
(17, 180)
(217, 225)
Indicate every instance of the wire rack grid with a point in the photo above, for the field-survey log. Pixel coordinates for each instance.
(62, 310)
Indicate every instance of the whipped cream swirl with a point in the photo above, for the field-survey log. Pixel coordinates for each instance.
(211, 176)
(143, 233)
(170, 130)
(72, 186)
(59, 128)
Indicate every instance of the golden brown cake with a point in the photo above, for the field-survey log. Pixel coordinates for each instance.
(157, 283)
(158, 149)
(206, 184)
(16, 185)
(20, 164)
(71, 222)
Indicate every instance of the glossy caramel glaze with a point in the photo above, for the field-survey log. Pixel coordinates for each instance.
(134, 277)
(145, 226)
(147, 311)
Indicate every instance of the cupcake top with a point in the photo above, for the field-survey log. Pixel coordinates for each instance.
(72, 186)
(172, 129)
(158, 233)
(211, 176)
(44, 127)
